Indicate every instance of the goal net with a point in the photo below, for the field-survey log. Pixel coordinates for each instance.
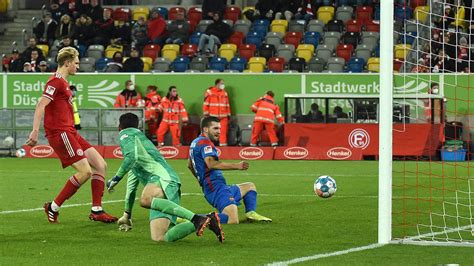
(433, 190)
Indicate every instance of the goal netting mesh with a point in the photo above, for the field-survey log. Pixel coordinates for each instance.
(433, 193)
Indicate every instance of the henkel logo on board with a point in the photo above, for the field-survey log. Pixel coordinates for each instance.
(295, 153)
(169, 152)
(41, 151)
(339, 153)
(118, 153)
(359, 139)
(251, 153)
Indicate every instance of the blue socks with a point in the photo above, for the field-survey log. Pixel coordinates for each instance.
(223, 217)
(250, 201)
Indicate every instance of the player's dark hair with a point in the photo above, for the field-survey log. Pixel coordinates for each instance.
(206, 121)
(217, 81)
(128, 120)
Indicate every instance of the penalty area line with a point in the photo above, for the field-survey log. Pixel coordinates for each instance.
(325, 255)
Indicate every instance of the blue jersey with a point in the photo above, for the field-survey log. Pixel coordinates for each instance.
(200, 148)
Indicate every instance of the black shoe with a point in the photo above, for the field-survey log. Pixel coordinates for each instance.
(215, 226)
(200, 223)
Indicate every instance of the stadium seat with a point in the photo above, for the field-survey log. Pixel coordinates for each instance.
(147, 63)
(101, 63)
(279, 25)
(257, 64)
(353, 26)
(162, 10)
(247, 51)
(351, 38)
(180, 64)
(122, 14)
(202, 25)
(199, 63)
(316, 26)
(373, 65)
(261, 26)
(232, 13)
(422, 13)
(242, 26)
(297, 64)
(460, 18)
(293, 38)
(370, 38)
(332, 38)
(247, 8)
(316, 65)
(364, 51)
(397, 64)
(194, 38)
(152, 51)
(335, 25)
(296, 26)
(344, 13)
(401, 51)
(228, 51)
(44, 49)
(403, 13)
(189, 50)
(325, 13)
(161, 64)
(254, 38)
(228, 22)
(377, 13)
(112, 49)
(286, 51)
(194, 15)
(274, 38)
(364, 13)
(356, 65)
(51, 61)
(276, 64)
(96, 51)
(218, 64)
(312, 37)
(407, 38)
(87, 64)
(236, 38)
(305, 51)
(416, 3)
(140, 11)
(266, 51)
(170, 51)
(174, 10)
(344, 51)
(336, 64)
(82, 49)
(372, 26)
(238, 64)
(324, 52)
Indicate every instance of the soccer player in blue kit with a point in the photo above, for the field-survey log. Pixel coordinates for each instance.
(205, 165)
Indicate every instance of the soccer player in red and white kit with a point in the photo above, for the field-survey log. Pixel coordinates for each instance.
(71, 148)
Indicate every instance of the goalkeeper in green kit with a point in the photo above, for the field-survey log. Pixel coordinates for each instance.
(161, 193)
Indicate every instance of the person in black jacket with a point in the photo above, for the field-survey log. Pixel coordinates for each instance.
(94, 10)
(210, 7)
(84, 33)
(216, 33)
(265, 9)
(15, 64)
(134, 63)
(314, 115)
(45, 30)
(26, 55)
(104, 28)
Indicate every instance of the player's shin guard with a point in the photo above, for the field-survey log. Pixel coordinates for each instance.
(69, 189)
(171, 208)
(179, 231)
(97, 187)
(224, 217)
(250, 201)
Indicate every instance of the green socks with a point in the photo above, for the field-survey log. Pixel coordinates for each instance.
(171, 208)
(179, 231)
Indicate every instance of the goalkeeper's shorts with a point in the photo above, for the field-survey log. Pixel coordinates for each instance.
(172, 193)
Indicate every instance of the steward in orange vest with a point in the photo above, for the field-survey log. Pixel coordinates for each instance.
(216, 103)
(128, 97)
(265, 111)
(173, 109)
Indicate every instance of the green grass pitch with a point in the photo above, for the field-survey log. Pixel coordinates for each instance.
(303, 224)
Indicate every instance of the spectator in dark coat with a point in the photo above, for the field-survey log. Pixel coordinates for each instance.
(178, 30)
(289, 8)
(67, 42)
(116, 64)
(66, 27)
(139, 33)
(156, 28)
(57, 11)
(94, 10)
(26, 55)
(134, 63)
(210, 7)
(45, 31)
(84, 33)
(104, 28)
(15, 63)
(314, 115)
(216, 33)
(265, 9)
(122, 34)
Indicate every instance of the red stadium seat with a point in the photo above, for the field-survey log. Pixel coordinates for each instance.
(194, 15)
(353, 26)
(192, 27)
(232, 13)
(122, 14)
(189, 50)
(293, 38)
(247, 51)
(397, 64)
(345, 51)
(152, 51)
(236, 38)
(416, 3)
(364, 13)
(276, 64)
(174, 10)
(372, 26)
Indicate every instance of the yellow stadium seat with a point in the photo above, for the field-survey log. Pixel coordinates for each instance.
(112, 49)
(170, 51)
(421, 13)
(141, 11)
(401, 50)
(279, 25)
(257, 64)
(305, 51)
(325, 13)
(373, 64)
(44, 48)
(228, 51)
(147, 63)
(247, 8)
(459, 19)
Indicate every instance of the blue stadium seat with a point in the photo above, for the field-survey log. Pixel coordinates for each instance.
(261, 26)
(356, 65)
(408, 38)
(403, 13)
(82, 50)
(254, 38)
(101, 64)
(238, 63)
(377, 51)
(377, 12)
(312, 37)
(218, 63)
(180, 64)
(162, 10)
(194, 39)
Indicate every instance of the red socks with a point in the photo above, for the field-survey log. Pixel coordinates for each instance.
(72, 185)
(97, 186)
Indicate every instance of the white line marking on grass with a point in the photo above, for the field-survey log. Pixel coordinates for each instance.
(64, 206)
(325, 255)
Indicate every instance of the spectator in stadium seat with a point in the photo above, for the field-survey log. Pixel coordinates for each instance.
(314, 115)
(45, 31)
(116, 65)
(134, 63)
(72, 11)
(65, 28)
(57, 11)
(84, 33)
(94, 10)
(156, 28)
(443, 63)
(139, 33)
(463, 56)
(27, 67)
(26, 55)
(67, 42)
(122, 34)
(216, 33)
(178, 30)
(104, 28)
(15, 62)
(128, 97)
(446, 19)
(210, 7)
(34, 61)
(338, 113)
(265, 9)
(290, 8)
(43, 67)
(308, 10)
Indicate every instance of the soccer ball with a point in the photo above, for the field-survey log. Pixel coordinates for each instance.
(20, 153)
(325, 186)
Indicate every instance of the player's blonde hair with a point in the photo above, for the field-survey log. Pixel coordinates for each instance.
(67, 54)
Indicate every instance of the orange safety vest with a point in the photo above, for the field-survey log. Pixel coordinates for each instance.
(130, 101)
(216, 103)
(172, 110)
(266, 110)
(152, 101)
